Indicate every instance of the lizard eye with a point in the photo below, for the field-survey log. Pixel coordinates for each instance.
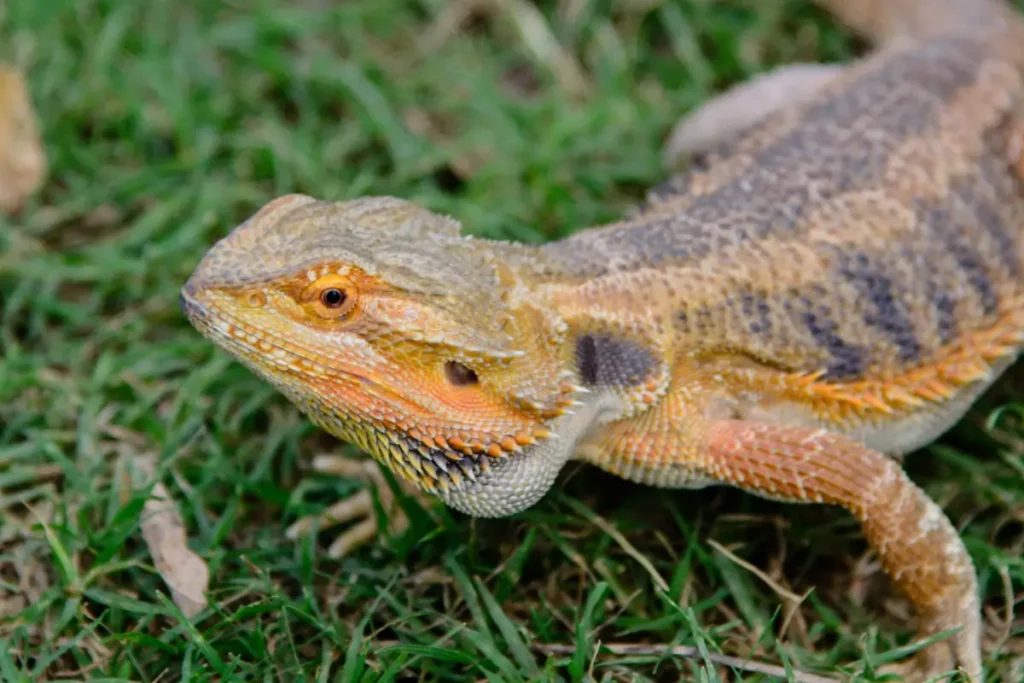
(332, 296)
(459, 375)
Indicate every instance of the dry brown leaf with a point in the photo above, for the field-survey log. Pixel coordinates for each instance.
(23, 163)
(439, 133)
(539, 39)
(11, 605)
(181, 569)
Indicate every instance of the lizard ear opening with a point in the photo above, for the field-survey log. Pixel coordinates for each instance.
(459, 375)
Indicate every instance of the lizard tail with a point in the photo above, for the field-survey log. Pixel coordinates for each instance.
(887, 20)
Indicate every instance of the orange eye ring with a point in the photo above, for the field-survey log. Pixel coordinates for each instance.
(331, 296)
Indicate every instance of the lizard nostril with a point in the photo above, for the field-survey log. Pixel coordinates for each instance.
(255, 300)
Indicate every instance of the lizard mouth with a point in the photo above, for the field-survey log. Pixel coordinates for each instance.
(253, 346)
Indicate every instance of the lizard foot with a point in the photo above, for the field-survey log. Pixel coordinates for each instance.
(358, 506)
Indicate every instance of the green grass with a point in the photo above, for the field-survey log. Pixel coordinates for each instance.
(167, 123)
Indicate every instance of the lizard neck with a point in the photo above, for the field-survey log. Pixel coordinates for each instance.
(517, 482)
(616, 346)
(548, 275)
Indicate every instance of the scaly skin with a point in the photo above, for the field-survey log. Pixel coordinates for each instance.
(835, 285)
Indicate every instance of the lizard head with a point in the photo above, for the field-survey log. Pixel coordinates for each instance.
(389, 329)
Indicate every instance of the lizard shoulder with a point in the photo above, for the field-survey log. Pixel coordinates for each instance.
(628, 364)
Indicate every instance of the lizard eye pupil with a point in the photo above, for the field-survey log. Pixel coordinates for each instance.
(333, 297)
(459, 375)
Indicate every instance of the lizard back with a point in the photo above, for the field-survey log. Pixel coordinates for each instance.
(874, 230)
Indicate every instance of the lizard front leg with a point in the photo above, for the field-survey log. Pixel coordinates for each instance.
(918, 546)
(920, 550)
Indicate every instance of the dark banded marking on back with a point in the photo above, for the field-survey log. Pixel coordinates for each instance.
(885, 308)
(844, 142)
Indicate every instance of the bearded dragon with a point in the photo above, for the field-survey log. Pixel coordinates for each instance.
(834, 285)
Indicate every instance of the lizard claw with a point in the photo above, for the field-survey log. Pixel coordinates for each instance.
(358, 506)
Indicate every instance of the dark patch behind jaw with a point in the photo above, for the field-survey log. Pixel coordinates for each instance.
(603, 360)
